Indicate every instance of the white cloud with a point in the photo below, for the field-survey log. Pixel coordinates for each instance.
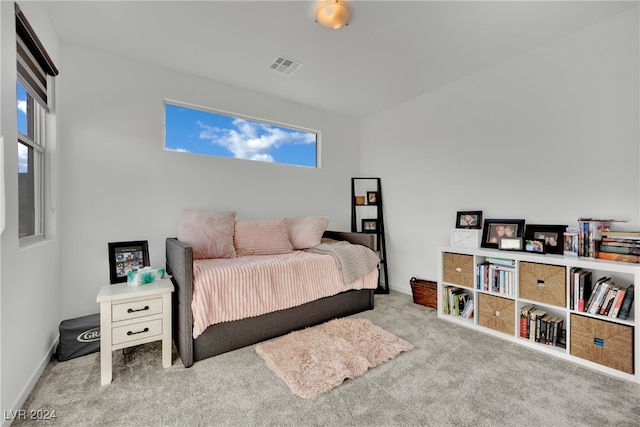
(251, 140)
(179, 150)
(22, 105)
(23, 158)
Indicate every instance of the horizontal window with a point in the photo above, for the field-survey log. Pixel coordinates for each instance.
(213, 133)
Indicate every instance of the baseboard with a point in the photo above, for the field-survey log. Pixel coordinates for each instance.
(9, 415)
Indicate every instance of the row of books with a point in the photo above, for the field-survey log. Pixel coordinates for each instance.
(620, 246)
(539, 326)
(497, 275)
(457, 302)
(605, 297)
(590, 234)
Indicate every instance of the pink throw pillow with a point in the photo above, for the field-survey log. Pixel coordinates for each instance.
(306, 232)
(210, 234)
(261, 237)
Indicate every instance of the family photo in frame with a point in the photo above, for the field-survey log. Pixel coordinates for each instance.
(125, 257)
(496, 229)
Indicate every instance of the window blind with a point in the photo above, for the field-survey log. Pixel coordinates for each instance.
(34, 63)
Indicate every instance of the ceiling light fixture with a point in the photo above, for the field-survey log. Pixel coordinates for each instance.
(332, 14)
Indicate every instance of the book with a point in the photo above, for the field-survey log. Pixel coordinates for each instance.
(599, 297)
(610, 233)
(467, 312)
(584, 289)
(524, 321)
(594, 292)
(625, 308)
(620, 249)
(618, 302)
(533, 317)
(572, 287)
(607, 302)
(619, 257)
(507, 262)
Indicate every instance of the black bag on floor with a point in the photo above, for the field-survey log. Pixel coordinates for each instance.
(78, 337)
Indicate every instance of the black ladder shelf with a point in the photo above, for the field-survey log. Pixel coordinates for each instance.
(367, 217)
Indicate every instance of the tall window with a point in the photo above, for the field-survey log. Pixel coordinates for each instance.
(32, 95)
(206, 132)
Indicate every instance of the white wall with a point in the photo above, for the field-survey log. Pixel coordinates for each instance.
(549, 136)
(30, 276)
(119, 185)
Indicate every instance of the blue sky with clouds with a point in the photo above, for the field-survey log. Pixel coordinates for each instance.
(203, 132)
(23, 152)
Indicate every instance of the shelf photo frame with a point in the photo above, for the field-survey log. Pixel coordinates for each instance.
(125, 257)
(372, 198)
(369, 225)
(551, 235)
(496, 229)
(469, 219)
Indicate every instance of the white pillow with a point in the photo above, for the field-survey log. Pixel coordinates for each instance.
(210, 234)
(306, 232)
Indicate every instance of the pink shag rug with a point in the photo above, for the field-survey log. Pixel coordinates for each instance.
(312, 361)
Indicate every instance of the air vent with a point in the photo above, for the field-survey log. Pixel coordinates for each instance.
(285, 65)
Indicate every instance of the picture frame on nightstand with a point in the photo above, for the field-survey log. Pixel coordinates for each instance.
(125, 257)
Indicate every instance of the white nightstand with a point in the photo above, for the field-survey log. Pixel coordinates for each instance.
(133, 315)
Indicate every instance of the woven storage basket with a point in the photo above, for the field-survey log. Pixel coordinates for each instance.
(543, 283)
(497, 313)
(425, 292)
(458, 269)
(599, 341)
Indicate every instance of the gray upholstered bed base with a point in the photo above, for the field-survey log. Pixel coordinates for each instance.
(224, 337)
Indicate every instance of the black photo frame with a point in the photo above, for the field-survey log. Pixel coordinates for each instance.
(469, 219)
(552, 235)
(495, 229)
(125, 257)
(372, 197)
(534, 246)
(369, 225)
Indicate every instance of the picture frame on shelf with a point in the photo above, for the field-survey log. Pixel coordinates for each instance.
(359, 200)
(369, 225)
(469, 219)
(534, 245)
(552, 235)
(495, 229)
(510, 244)
(372, 197)
(125, 257)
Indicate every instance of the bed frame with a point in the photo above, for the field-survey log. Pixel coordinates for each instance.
(227, 336)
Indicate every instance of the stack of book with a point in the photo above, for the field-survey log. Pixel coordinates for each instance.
(539, 326)
(457, 302)
(497, 275)
(620, 246)
(609, 299)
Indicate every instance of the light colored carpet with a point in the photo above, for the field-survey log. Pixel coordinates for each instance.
(315, 360)
(453, 377)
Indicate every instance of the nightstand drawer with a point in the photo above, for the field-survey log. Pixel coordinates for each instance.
(134, 309)
(137, 331)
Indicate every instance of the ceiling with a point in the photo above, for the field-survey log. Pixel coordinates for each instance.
(391, 51)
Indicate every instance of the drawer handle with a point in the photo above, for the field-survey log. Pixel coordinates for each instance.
(139, 332)
(599, 342)
(131, 310)
(540, 283)
(459, 269)
(496, 313)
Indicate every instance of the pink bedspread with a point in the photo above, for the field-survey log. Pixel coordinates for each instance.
(237, 288)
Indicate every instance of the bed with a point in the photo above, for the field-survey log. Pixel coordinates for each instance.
(231, 335)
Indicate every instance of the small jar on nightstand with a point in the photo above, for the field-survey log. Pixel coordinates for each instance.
(133, 315)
